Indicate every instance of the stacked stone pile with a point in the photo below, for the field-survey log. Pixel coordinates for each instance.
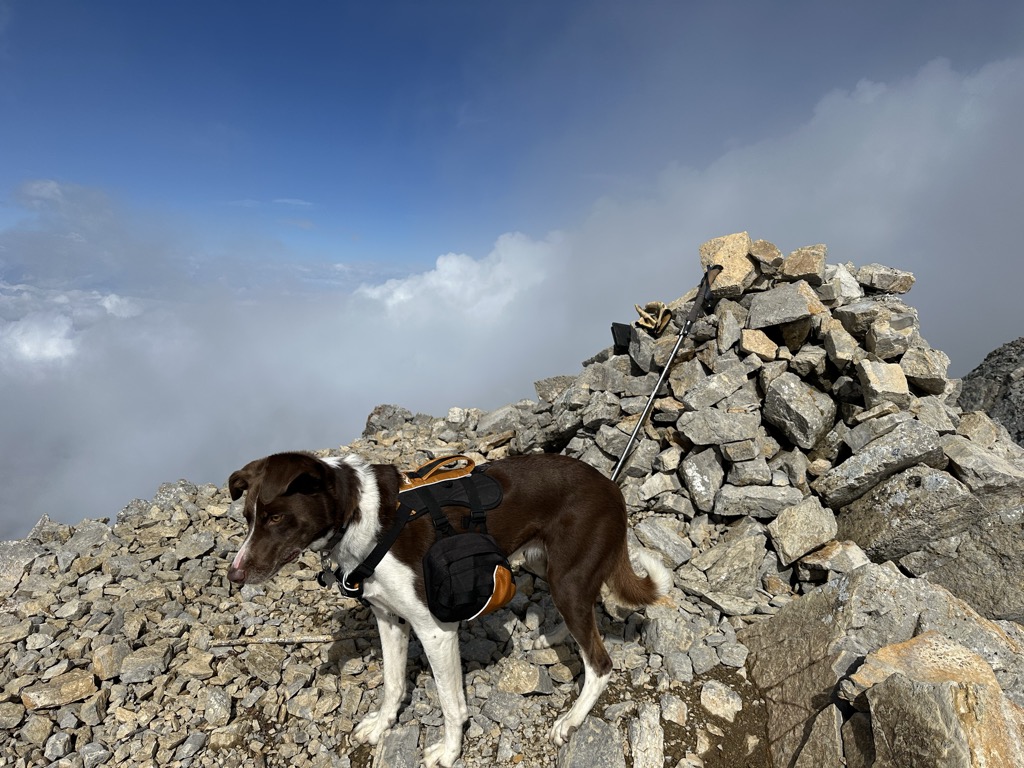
(847, 546)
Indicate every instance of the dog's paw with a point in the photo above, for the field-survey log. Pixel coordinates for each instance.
(439, 754)
(561, 730)
(552, 638)
(372, 727)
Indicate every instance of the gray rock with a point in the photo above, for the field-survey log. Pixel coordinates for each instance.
(840, 345)
(996, 387)
(659, 483)
(595, 744)
(714, 427)
(703, 475)
(94, 754)
(801, 412)
(784, 304)
(872, 429)
(983, 471)
(807, 263)
(147, 662)
(754, 501)
(15, 557)
(883, 382)
(398, 747)
(882, 278)
(719, 700)
(801, 528)
(714, 388)
(890, 336)
(908, 444)
(521, 677)
(824, 744)
(904, 513)
(667, 537)
(647, 737)
(857, 317)
(732, 567)
(665, 631)
(753, 472)
(550, 388)
(834, 626)
(926, 369)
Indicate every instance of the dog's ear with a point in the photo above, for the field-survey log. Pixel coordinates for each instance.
(291, 473)
(240, 481)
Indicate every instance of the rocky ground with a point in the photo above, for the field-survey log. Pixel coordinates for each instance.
(126, 645)
(842, 537)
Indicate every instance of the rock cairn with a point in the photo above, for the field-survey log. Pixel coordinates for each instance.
(847, 546)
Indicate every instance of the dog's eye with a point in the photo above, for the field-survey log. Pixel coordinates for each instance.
(275, 518)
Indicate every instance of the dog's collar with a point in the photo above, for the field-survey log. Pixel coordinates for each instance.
(351, 584)
(329, 576)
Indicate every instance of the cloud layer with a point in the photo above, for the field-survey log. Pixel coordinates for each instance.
(129, 355)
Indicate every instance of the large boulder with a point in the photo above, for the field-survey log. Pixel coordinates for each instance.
(996, 387)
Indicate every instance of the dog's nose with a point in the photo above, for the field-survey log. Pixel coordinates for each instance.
(237, 575)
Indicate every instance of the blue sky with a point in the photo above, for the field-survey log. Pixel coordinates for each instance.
(220, 222)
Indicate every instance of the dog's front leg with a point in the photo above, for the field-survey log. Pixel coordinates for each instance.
(394, 644)
(442, 649)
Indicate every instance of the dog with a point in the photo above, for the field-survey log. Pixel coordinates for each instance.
(560, 514)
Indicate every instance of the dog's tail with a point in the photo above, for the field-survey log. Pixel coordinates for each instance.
(634, 590)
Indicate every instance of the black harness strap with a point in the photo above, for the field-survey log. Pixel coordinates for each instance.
(477, 517)
(351, 584)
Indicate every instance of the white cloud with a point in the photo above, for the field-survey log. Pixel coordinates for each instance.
(121, 307)
(37, 338)
(470, 290)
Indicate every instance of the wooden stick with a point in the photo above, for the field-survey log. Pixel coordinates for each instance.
(287, 639)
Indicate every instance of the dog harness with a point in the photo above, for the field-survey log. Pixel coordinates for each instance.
(465, 573)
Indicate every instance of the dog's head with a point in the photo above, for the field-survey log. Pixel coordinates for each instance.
(292, 500)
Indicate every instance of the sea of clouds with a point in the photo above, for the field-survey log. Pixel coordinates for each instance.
(131, 357)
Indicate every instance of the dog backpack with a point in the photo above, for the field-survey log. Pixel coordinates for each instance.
(465, 574)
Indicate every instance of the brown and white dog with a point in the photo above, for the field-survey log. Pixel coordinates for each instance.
(555, 510)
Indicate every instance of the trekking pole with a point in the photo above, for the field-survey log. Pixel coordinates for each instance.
(700, 302)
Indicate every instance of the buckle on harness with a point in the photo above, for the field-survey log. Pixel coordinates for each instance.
(329, 576)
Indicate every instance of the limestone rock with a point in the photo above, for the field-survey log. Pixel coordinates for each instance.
(996, 387)
(908, 510)
(786, 303)
(754, 501)
(887, 279)
(908, 444)
(947, 702)
(712, 426)
(926, 369)
(801, 528)
(832, 627)
(801, 412)
(62, 690)
(738, 270)
(703, 476)
(883, 382)
(807, 263)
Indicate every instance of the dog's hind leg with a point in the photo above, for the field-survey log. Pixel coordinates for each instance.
(576, 604)
(442, 649)
(394, 644)
(597, 670)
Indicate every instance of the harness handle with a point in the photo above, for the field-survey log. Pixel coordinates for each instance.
(428, 470)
